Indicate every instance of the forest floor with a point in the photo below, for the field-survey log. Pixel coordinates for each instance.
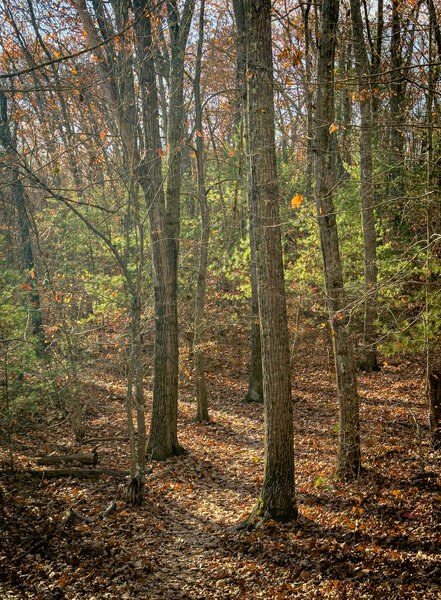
(379, 537)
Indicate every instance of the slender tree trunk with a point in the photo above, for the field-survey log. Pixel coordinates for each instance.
(395, 104)
(349, 457)
(135, 491)
(310, 156)
(433, 360)
(179, 29)
(376, 61)
(255, 380)
(368, 360)
(277, 499)
(199, 305)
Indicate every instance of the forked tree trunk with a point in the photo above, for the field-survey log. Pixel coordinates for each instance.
(277, 498)
(368, 360)
(163, 436)
(349, 457)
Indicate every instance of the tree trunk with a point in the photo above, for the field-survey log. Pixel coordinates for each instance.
(368, 360)
(199, 305)
(435, 407)
(349, 457)
(163, 436)
(255, 380)
(178, 31)
(376, 61)
(395, 104)
(277, 499)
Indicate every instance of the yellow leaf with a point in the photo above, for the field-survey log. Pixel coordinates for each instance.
(333, 128)
(297, 201)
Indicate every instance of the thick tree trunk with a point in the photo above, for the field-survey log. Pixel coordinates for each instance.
(277, 499)
(349, 457)
(199, 305)
(368, 360)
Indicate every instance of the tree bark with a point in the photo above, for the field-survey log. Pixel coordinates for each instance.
(368, 360)
(255, 379)
(163, 436)
(179, 28)
(199, 305)
(349, 456)
(277, 498)
(80, 473)
(435, 408)
(86, 458)
(395, 103)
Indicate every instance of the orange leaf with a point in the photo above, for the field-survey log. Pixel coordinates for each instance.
(297, 201)
(102, 135)
(199, 134)
(333, 128)
(161, 152)
(32, 274)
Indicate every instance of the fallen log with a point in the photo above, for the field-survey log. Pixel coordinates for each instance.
(80, 473)
(85, 458)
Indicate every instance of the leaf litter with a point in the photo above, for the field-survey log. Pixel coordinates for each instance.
(379, 537)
